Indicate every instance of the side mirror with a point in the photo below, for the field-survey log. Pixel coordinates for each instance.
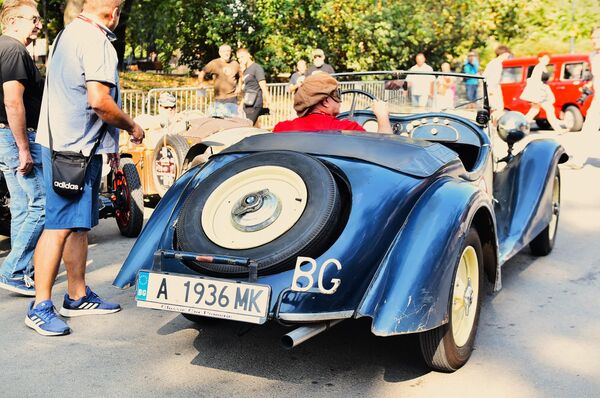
(483, 117)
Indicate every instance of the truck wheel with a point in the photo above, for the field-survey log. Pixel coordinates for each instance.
(543, 244)
(448, 347)
(573, 118)
(128, 199)
(168, 161)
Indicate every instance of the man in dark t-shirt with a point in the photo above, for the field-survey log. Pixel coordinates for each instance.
(319, 64)
(225, 74)
(21, 88)
(256, 93)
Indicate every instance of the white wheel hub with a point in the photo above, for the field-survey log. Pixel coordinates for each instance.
(254, 207)
(466, 293)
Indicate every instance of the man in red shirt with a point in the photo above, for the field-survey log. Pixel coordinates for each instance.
(317, 102)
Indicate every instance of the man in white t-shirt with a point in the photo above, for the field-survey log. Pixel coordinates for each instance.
(421, 87)
(493, 76)
(592, 121)
(579, 154)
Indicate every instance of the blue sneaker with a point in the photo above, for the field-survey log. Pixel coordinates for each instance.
(90, 304)
(43, 319)
(23, 286)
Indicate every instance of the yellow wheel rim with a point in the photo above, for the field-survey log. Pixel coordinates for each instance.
(465, 296)
(254, 207)
(555, 208)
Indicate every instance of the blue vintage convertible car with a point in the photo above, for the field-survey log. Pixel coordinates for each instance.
(309, 229)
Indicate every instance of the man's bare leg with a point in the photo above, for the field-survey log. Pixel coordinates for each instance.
(75, 258)
(46, 260)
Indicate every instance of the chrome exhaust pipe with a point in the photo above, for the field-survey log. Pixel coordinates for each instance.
(303, 333)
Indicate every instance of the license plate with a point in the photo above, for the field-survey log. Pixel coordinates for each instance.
(208, 297)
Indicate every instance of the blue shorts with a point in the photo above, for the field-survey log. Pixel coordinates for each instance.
(80, 213)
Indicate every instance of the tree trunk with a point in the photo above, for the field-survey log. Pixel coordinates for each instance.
(72, 9)
(121, 29)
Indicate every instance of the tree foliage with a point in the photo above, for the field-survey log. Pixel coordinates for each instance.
(355, 34)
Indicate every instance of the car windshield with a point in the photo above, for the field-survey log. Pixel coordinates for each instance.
(416, 92)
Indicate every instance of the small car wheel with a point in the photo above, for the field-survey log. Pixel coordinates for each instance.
(573, 118)
(268, 206)
(168, 161)
(128, 199)
(543, 244)
(448, 347)
(4, 208)
(543, 124)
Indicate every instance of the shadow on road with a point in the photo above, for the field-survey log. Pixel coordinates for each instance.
(347, 348)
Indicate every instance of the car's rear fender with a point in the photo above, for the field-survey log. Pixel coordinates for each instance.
(523, 192)
(158, 228)
(411, 289)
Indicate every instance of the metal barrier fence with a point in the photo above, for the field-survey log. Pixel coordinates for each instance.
(137, 102)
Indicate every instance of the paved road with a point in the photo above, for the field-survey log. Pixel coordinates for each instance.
(538, 336)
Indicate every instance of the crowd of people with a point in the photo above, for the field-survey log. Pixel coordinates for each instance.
(74, 115)
(77, 113)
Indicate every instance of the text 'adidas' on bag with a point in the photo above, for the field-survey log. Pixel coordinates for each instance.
(68, 172)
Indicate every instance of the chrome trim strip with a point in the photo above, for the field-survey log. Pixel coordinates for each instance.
(320, 316)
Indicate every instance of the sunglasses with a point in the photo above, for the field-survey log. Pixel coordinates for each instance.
(168, 107)
(35, 19)
(336, 95)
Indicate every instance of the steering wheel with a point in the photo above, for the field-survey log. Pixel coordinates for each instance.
(354, 93)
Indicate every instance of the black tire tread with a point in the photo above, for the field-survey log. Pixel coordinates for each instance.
(543, 243)
(136, 202)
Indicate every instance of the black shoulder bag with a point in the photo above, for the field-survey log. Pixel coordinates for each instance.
(68, 167)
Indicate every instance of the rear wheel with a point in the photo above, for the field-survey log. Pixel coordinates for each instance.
(128, 199)
(543, 244)
(168, 161)
(448, 347)
(573, 118)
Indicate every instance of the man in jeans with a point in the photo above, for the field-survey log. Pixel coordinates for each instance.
(77, 109)
(20, 157)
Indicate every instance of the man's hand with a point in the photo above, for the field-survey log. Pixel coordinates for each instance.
(380, 109)
(25, 162)
(137, 134)
(113, 161)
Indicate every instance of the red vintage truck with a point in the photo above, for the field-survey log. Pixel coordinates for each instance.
(568, 73)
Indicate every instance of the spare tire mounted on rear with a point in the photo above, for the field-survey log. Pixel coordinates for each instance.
(269, 206)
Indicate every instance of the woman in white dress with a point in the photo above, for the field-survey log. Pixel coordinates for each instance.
(539, 94)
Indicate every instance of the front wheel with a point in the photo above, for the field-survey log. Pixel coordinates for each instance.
(543, 244)
(128, 199)
(168, 161)
(573, 118)
(448, 347)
